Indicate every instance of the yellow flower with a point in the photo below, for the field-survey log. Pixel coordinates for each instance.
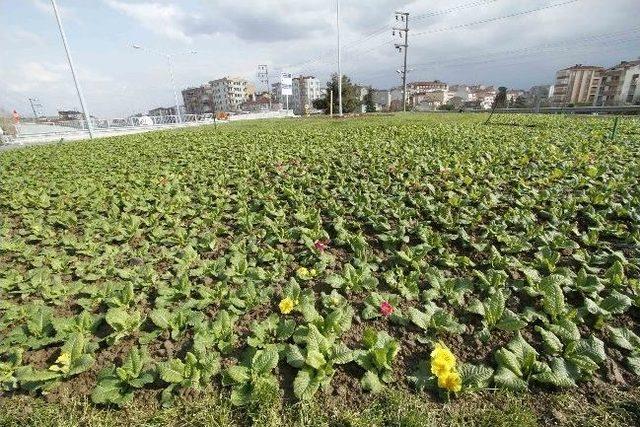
(442, 360)
(450, 381)
(286, 305)
(305, 274)
(62, 364)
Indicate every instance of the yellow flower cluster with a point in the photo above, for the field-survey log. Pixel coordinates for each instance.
(286, 305)
(443, 366)
(62, 364)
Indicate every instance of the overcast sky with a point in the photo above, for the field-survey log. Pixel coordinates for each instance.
(515, 43)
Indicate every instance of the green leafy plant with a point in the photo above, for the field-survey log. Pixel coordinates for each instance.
(377, 357)
(117, 383)
(315, 355)
(253, 381)
(195, 371)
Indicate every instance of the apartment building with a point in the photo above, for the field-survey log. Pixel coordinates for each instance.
(198, 100)
(428, 86)
(306, 89)
(225, 94)
(577, 85)
(230, 92)
(619, 85)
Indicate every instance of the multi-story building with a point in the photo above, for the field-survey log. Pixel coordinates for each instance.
(225, 94)
(198, 100)
(430, 100)
(577, 85)
(424, 87)
(230, 92)
(619, 85)
(306, 89)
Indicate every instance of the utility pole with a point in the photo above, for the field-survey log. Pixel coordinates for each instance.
(263, 77)
(85, 110)
(400, 47)
(339, 63)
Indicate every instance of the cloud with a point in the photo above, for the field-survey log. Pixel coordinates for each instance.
(30, 75)
(163, 19)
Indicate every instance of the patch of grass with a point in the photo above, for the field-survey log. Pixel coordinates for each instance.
(606, 406)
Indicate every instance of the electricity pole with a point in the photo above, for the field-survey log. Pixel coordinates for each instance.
(404, 35)
(339, 64)
(263, 77)
(85, 110)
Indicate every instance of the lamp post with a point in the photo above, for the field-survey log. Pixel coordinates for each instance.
(169, 58)
(83, 104)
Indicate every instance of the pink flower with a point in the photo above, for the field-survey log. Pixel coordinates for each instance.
(320, 245)
(386, 309)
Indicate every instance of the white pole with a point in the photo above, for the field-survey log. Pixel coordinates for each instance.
(85, 110)
(175, 92)
(339, 64)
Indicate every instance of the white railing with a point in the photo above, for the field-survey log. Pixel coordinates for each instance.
(28, 132)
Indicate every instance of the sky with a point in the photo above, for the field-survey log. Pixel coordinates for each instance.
(513, 43)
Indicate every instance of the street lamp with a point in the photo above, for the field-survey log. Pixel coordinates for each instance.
(85, 110)
(169, 58)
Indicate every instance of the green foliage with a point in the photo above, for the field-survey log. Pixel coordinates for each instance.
(253, 380)
(380, 350)
(117, 383)
(186, 242)
(315, 355)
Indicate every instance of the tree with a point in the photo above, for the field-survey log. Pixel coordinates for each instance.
(369, 103)
(350, 96)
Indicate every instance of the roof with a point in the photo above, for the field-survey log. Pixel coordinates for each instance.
(427, 83)
(583, 67)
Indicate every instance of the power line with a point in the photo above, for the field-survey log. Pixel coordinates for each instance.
(354, 45)
(452, 9)
(498, 18)
(465, 25)
(586, 42)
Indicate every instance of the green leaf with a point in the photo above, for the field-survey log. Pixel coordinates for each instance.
(552, 295)
(315, 359)
(510, 322)
(475, 377)
(506, 359)
(304, 385)
(295, 357)
(616, 303)
(625, 338)
(236, 374)
(552, 343)
(172, 371)
(507, 379)
(264, 361)
(371, 382)
(161, 317)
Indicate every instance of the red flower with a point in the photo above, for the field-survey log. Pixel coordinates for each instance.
(320, 245)
(386, 309)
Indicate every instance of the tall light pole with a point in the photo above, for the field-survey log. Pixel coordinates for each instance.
(83, 104)
(339, 63)
(169, 58)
